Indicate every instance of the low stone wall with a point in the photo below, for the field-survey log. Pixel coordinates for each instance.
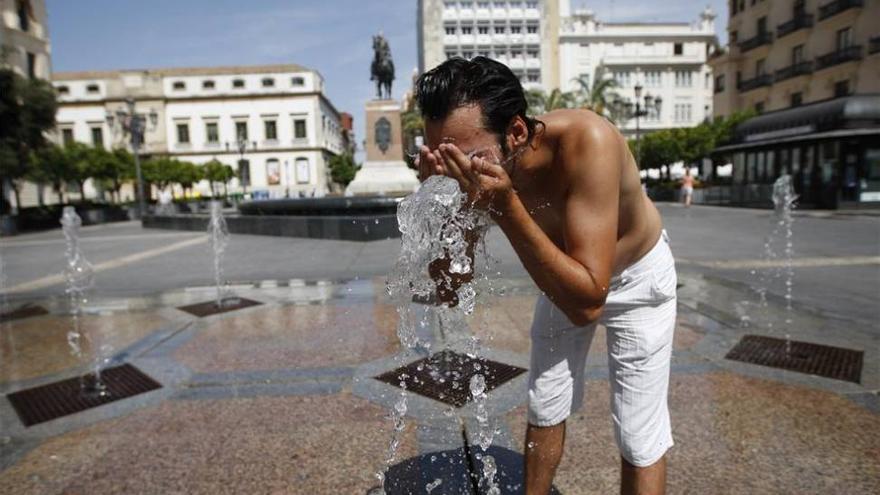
(343, 228)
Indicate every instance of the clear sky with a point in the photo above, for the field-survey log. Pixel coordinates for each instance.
(331, 36)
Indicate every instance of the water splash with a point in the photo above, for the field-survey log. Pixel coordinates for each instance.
(784, 202)
(478, 392)
(80, 278)
(432, 485)
(485, 433)
(437, 231)
(218, 237)
(489, 470)
(438, 235)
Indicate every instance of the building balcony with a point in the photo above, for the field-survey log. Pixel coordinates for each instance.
(755, 83)
(839, 56)
(874, 45)
(800, 21)
(837, 6)
(794, 70)
(758, 40)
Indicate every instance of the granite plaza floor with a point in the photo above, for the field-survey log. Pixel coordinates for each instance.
(280, 398)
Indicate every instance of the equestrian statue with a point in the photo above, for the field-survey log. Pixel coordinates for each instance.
(382, 68)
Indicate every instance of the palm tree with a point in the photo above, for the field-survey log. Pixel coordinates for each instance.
(598, 94)
(541, 102)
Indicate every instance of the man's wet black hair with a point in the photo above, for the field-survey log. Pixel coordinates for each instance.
(491, 85)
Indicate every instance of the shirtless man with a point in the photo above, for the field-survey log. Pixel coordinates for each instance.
(565, 190)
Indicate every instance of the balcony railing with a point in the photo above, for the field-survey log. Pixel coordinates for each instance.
(760, 39)
(839, 56)
(874, 44)
(799, 21)
(755, 82)
(793, 70)
(836, 7)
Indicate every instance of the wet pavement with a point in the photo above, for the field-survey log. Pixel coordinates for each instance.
(280, 398)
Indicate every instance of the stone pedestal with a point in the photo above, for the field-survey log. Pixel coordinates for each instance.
(384, 172)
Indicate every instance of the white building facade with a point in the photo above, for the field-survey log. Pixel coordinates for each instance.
(521, 34)
(668, 60)
(289, 128)
(24, 38)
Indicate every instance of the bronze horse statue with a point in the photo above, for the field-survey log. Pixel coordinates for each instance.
(382, 68)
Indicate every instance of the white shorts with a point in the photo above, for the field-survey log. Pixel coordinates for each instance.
(639, 317)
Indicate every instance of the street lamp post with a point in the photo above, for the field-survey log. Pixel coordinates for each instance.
(244, 175)
(134, 125)
(242, 147)
(638, 110)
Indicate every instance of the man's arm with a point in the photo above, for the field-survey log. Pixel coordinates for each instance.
(576, 279)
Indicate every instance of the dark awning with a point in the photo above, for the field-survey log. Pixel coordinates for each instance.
(849, 112)
(812, 136)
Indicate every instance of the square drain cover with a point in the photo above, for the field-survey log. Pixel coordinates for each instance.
(54, 400)
(25, 311)
(209, 308)
(803, 357)
(446, 376)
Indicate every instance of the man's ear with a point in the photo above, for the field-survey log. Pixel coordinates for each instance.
(517, 133)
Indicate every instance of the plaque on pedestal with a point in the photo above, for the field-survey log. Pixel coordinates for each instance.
(384, 172)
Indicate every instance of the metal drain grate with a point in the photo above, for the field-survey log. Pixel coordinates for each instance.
(25, 311)
(445, 376)
(803, 357)
(209, 308)
(47, 402)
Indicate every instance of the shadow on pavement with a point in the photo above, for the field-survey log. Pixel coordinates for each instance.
(456, 474)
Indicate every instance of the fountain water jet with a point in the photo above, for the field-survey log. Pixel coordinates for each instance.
(437, 229)
(218, 236)
(784, 201)
(80, 277)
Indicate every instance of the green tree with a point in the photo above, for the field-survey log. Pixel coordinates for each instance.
(343, 169)
(413, 125)
(187, 174)
(119, 170)
(82, 160)
(723, 128)
(215, 171)
(27, 112)
(160, 171)
(596, 95)
(52, 165)
(660, 149)
(111, 169)
(540, 102)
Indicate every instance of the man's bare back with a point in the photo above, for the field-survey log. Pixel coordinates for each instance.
(543, 178)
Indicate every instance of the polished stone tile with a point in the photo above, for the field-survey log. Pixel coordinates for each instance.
(326, 444)
(733, 434)
(294, 336)
(38, 346)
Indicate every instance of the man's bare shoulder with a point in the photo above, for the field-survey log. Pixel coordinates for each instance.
(582, 138)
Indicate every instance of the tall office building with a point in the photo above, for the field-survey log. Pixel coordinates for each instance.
(524, 35)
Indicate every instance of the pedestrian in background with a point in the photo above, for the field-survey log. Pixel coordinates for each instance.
(687, 187)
